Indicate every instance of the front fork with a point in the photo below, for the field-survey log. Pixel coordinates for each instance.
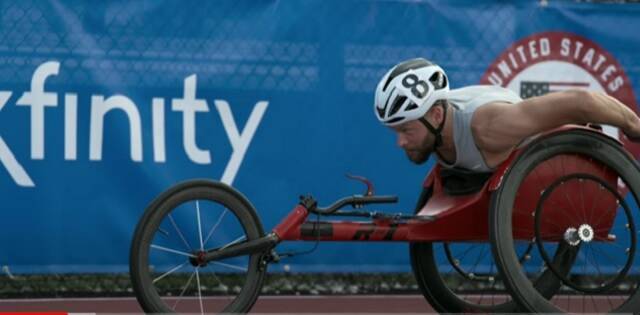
(264, 244)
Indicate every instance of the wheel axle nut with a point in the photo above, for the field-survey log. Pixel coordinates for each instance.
(572, 237)
(585, 232)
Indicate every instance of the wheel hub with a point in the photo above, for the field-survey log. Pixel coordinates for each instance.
(585, 232)
(571, 236)
(198, 260)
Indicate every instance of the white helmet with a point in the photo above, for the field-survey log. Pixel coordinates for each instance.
(408, 90)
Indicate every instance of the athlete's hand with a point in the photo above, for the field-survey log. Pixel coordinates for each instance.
(633, 131)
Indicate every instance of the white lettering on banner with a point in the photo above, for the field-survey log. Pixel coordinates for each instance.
(504, 68)
(565, 49)
(7, 158)
(601, 59)
(37, 99)
(520, 51)
(99, 108)
(578, 48)
(545, 47)
(70, 127)
(189, 106)
(157, 109)
(239, 142)
(565, 45)
(607, 72)
(495, 79)
(533, 52)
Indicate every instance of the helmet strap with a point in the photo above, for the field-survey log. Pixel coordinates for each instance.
(437, 132)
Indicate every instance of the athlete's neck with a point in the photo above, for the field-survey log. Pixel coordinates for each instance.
(447, 151)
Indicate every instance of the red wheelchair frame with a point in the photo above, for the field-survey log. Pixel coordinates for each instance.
(444, 217)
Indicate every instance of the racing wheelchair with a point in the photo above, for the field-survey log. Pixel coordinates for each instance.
(551, 230)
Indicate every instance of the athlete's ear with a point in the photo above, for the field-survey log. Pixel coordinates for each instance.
(435, 114)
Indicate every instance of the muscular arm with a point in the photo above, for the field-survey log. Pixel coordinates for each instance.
(498, 127)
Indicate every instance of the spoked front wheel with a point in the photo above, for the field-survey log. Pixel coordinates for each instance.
(167, 268)
(579, 190)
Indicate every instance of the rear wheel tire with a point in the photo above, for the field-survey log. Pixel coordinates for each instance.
(587, 152)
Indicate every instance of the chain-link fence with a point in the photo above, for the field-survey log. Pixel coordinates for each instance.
(315, 62)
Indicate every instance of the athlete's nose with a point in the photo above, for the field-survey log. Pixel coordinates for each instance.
(401, 141)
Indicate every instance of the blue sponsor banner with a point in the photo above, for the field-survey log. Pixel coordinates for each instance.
(103, 105)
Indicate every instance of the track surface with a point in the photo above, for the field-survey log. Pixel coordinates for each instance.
(265, 304)
(362, 304)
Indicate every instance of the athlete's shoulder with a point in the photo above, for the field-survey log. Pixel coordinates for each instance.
(473, 91)
(469, 98)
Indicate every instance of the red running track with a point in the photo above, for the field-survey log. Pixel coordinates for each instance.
(362, 304)
(266, 304)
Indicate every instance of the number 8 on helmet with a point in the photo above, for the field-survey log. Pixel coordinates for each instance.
(409, 90)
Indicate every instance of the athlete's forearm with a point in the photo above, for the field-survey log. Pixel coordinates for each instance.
(604, 109)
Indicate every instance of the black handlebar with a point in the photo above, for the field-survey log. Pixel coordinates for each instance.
(354, 201)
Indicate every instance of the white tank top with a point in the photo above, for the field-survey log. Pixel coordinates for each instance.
(467, 100)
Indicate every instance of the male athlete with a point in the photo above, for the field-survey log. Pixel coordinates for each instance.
(477, 127)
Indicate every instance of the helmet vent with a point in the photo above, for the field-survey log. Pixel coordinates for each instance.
(395, 119)
(439, 80)
(397, 104)
(380, 112)
(404, 67)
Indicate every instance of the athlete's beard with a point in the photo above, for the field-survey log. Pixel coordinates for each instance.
(420, 154)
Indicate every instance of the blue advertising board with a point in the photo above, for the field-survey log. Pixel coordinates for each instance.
(103, 105)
